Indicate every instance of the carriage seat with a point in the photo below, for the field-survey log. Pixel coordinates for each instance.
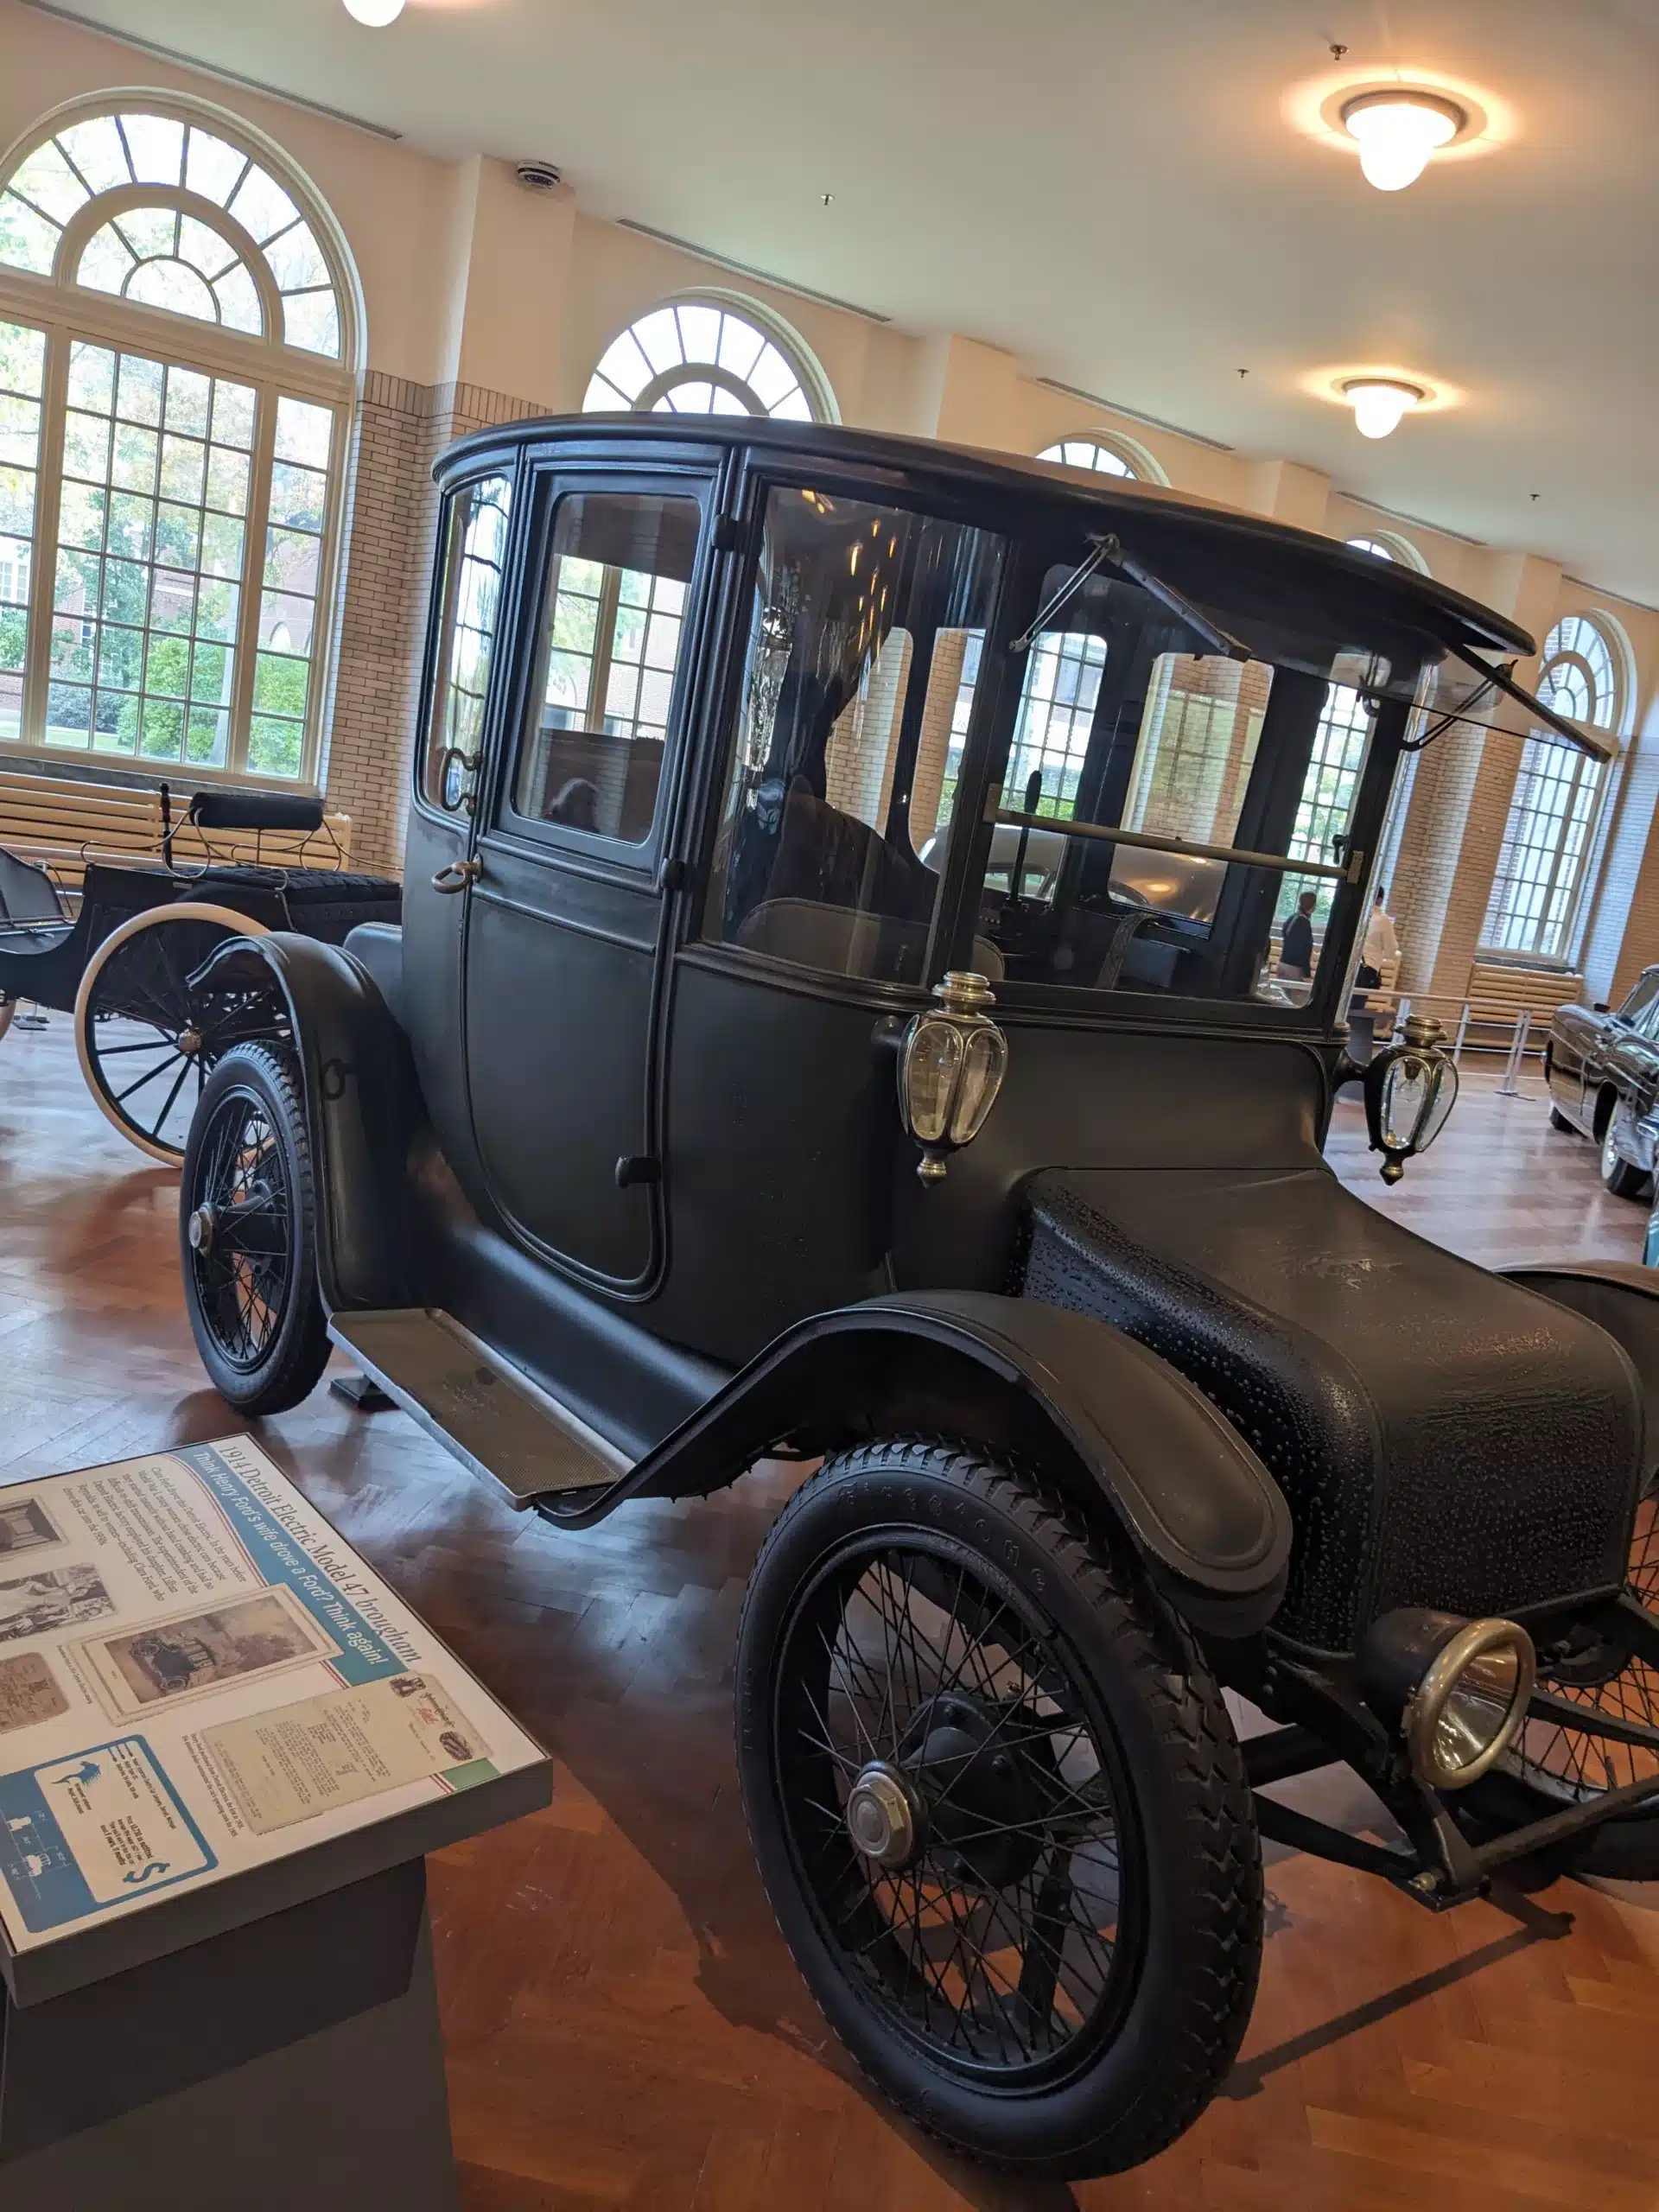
(26, 893)
(1444, 1437)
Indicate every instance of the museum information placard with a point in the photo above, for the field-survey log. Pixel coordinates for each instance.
(199, 1676)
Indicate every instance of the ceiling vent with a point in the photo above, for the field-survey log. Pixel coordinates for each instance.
(535, 176)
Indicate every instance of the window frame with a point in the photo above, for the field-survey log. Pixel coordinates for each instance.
(797, 356)
(547, 481)
(1610, 725)
(67, 314)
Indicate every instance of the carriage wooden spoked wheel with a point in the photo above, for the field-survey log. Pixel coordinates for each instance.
(140, 1050)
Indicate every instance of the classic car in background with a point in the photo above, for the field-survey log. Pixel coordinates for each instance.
(1602, 1066)
(690, 1117)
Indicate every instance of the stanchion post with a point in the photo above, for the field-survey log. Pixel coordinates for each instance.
(1463, 1030)
(1510, 1086)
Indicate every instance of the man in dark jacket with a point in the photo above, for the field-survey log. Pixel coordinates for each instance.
(1296, 941)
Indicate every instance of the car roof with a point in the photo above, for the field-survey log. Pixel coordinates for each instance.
(1398, 592)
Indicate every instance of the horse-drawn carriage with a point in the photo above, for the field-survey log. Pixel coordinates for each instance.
(122, 961)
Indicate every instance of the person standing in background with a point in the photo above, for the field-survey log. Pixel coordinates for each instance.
(1381, 947)
(1296, 941)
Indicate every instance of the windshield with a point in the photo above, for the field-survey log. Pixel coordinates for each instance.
(1165, 817)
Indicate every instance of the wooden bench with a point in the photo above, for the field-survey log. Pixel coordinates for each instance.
(58, 823)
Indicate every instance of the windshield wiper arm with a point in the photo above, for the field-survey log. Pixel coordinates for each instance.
(1107, 548)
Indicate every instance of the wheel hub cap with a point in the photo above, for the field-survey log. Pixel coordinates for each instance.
(880, 1817)
(190, 1042)
(199, 1230)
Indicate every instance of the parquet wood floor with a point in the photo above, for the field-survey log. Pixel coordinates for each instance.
(624, 2026)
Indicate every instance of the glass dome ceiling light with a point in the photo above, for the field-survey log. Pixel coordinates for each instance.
(1398, 131)
(377, 14)
(1380, 401)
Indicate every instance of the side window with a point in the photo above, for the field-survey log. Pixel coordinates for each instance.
(474, 545)
(1640, 1003)
(864, 634)
(612, 630)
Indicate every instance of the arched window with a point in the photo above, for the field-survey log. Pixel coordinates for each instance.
(1389, 546)
(1108, 457)
(701, 357)
(1544, 860)
(177, 348)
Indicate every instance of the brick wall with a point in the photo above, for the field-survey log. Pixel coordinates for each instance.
(390, 537)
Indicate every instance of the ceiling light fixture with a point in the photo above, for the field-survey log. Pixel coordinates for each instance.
(377, 14)
(1397, 132)
(1379, 403)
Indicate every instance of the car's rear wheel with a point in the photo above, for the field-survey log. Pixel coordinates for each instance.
(1000, 1810)
(247, 1224)
(1554, 1766)
(1621, 1174)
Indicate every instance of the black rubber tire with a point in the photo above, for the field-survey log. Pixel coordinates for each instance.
(1621, 1177)
(291, 1365)
(1558, 1121)
(1194, 1982)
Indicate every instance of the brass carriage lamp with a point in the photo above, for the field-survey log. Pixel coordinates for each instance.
(951, 1062)
(1410, 1091)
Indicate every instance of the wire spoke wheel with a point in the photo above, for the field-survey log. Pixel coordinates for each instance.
(142, 1051)
(1567, 1763)
(999, 1809)
(242, 1242)
(955, 1805)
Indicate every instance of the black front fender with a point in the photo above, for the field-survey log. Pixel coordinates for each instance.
(1060, 1390)
(362, 1103)
(1621, 1298)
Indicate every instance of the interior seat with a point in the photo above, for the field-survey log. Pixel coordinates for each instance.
(1444, 1436)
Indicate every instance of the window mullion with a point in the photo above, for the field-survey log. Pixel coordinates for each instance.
(253, 570)
(44, 552)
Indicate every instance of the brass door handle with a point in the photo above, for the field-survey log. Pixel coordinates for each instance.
(457, 875)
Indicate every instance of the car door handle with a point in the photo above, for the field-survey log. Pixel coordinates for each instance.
(457, 875)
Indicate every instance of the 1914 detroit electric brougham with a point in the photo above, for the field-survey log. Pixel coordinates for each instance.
(834, 1015)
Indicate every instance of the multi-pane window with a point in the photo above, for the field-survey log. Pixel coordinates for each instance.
(1198, 745)
(1371, 545)
(475, 561)
(698, 358)
(22, 368)
(171, 338)
(1057, 710)
(592, 758)
(1088, 453)
(1542, 863)
(146, 587)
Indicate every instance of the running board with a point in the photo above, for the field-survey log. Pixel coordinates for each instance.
(489, 1414)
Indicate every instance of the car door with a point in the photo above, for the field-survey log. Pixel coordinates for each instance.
(564, 958)
(460, 718)
(1611, 1048)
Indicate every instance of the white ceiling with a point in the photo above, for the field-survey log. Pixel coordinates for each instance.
(1112, 190)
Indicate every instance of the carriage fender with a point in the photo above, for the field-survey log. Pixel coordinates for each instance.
(362, 1106)
(1621, 1298)
(1059, 1390)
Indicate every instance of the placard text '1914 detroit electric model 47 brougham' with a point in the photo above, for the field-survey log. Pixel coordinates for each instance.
(835, 1014)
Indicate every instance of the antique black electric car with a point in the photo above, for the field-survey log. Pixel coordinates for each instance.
(1602, 1066)
(837, 1015)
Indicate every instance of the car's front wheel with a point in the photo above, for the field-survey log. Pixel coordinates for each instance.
(1623, 1177)
(247, 1230)
(1000, 1810)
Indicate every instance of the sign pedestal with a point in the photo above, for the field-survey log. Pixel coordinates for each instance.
(293, 2061)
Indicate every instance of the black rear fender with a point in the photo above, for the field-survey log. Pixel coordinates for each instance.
(362, 1101)
(1066, 1394)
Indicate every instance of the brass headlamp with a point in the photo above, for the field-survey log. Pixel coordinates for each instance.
(1410, 1091)
(951, 1062)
